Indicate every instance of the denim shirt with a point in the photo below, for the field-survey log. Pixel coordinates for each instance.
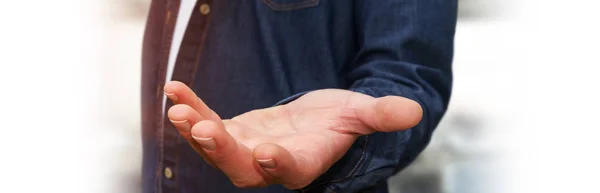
(261, 53)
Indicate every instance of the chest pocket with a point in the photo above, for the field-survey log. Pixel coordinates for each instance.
(288, 5)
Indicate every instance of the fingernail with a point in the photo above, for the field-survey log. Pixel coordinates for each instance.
(184, 125)
(267, 163)
(206, 143)
(172, 96)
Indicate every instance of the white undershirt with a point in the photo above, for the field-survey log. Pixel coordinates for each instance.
(185, 12)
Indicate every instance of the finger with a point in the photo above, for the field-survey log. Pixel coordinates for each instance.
(231, 157)
(388, 114)
(180, 93)
(281, 165)
(183, 116)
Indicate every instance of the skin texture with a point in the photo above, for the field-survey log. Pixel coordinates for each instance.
(290, 144)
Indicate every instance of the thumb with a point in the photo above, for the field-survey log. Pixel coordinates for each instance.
(388, 114)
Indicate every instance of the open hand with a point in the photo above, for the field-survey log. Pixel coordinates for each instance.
(290, 144)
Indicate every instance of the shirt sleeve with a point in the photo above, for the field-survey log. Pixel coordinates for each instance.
(406, 49)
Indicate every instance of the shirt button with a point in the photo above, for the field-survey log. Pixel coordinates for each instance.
(205, 9)
(168, 173)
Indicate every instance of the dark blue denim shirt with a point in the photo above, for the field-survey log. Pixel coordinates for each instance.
(263, 53)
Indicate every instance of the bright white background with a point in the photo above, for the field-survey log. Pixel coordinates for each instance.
(534, 71)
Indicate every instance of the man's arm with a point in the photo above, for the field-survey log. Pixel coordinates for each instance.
(346, 140)
(406, 49)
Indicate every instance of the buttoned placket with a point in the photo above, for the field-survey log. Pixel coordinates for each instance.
(185, 67)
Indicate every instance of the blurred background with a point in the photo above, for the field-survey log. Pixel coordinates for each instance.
(522, 118)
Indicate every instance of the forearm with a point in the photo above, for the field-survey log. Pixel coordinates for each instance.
(406, 50)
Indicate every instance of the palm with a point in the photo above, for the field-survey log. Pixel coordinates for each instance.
(298, 141)
(318, 125)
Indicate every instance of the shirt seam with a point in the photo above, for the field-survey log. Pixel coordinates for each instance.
(290, 6)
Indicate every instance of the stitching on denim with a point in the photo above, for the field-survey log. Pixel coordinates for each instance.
(159, 167)
(198, 55)
(290, 6)
(160, 134)
(350, 174)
